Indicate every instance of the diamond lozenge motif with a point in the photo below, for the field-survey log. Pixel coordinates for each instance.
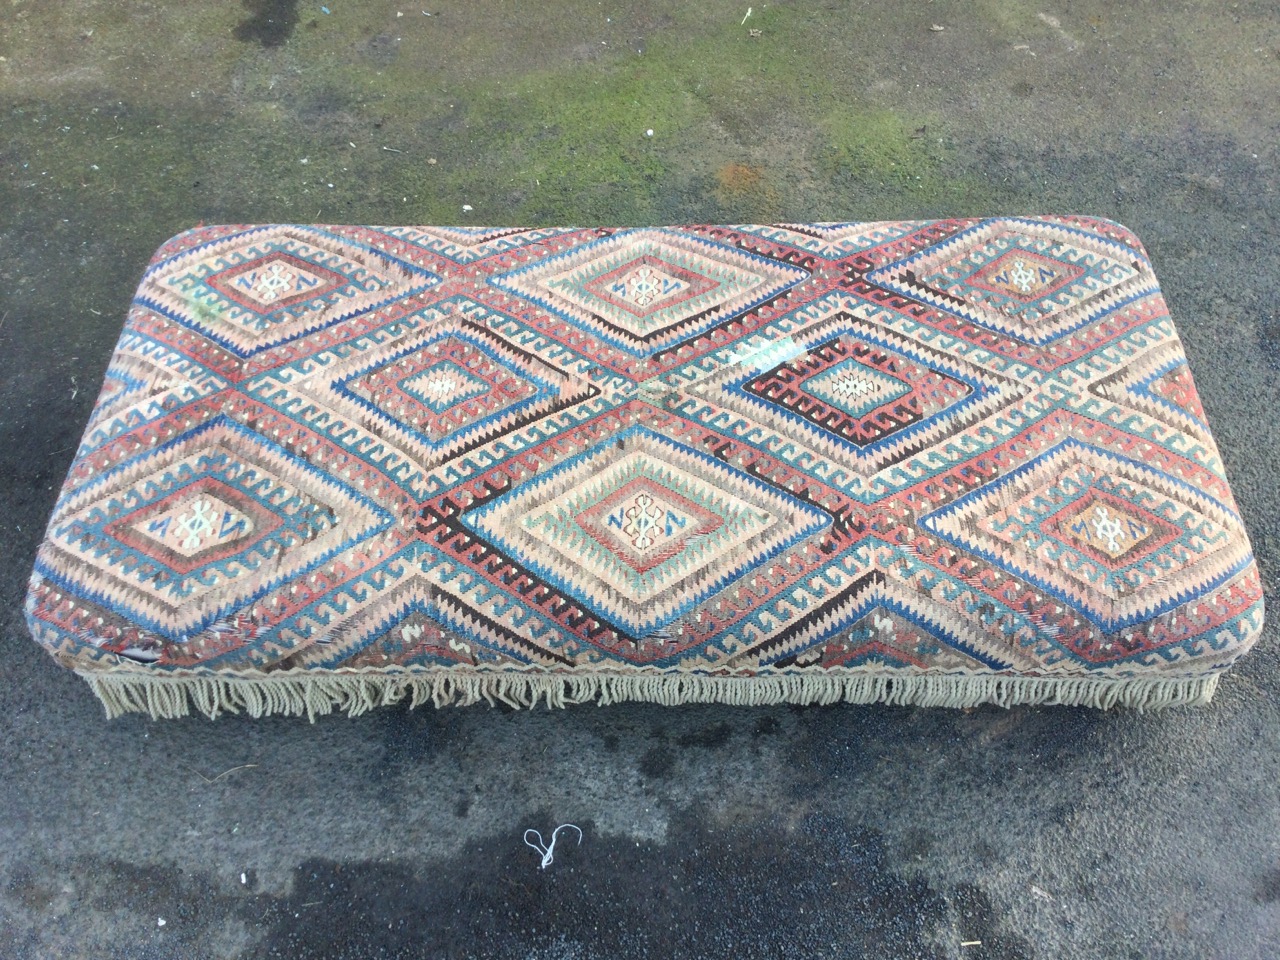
(643, 290)
(444, 385)
(641, 522)
(202, 520)
(207, 523)
(421, 390)
(1029, 280)
(639, 538)
(1025, 275)
(258, 288)
(848, 391)
(857, 391)
(1101, 532)
(856, 388)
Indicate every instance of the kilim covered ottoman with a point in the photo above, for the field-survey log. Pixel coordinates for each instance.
(934, 463)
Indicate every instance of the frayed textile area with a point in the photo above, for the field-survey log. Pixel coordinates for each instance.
(354, 694)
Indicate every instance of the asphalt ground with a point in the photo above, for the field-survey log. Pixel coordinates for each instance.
(708, 831)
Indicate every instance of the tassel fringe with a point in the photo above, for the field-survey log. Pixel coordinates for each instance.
(306, 693)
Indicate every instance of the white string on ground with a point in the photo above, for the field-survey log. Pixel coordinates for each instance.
(548, 850)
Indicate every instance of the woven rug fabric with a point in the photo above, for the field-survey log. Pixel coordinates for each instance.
(926, 462)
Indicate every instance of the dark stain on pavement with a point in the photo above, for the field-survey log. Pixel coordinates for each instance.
(706, 892)
(656, 763)
(271, 22)
(709, 737)
(659, 761)
(1269, 887)
(766, 726)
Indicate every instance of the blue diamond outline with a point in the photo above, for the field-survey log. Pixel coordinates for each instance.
(103, 598)
(979, 391)
(817, 520)
(430, 280)
(544, 388)
(502, 281)
(930, 522)
(881, 276)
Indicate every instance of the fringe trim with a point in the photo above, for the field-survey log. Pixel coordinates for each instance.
(354, 694)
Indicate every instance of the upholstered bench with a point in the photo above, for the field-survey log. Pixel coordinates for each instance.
(934, 463)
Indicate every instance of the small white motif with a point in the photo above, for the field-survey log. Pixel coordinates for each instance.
(642, 521)
(645, 285)
(1021, 276)
(441, 385)
(851, 386)
(1108, 528)
(274, 282)
(193, 525)
(197, 523)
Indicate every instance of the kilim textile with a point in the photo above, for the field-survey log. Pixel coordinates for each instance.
(935, 463)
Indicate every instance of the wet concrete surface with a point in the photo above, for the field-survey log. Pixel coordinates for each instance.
(708, 831)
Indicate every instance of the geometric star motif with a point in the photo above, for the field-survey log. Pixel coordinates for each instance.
(443, 385)
(856, 388)
(1113, 532)
(640, 288)
(642, 523)
(273, 281)
(1025, 276)
(208, 516)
